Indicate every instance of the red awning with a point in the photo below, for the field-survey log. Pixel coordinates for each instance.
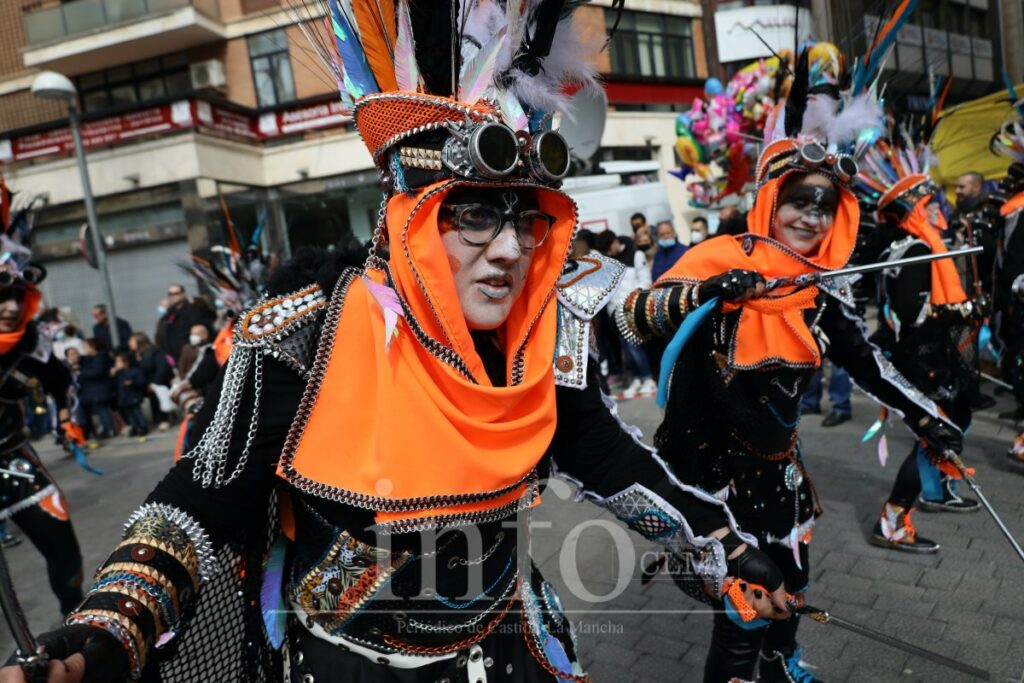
(632, 92)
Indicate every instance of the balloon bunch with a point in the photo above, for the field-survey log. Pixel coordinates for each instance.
(716, 139)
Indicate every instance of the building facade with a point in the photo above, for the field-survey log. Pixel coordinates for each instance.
(185, 101)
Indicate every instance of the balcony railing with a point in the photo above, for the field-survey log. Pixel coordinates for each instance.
(82, 16)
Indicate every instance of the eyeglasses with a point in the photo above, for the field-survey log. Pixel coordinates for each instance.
(480, 224)
(175, 293)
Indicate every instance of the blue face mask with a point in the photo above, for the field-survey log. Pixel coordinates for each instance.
(666, 242)
(160, 310)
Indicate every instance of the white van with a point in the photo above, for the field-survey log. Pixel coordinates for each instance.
(607, 201)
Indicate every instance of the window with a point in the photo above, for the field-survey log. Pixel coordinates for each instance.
(271, 68)
(655, 45)
(139, 82)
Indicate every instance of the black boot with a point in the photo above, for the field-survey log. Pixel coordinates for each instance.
(733, 653)
(896, 531)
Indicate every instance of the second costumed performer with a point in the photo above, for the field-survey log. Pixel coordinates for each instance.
(733, 403)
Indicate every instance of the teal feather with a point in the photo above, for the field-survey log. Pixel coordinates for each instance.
(272, 593)
(357, 77)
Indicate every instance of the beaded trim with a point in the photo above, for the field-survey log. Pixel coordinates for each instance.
(209, 566)
(272, 318)
(26, 503)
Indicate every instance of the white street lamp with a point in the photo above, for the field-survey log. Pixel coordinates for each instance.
(54, 86)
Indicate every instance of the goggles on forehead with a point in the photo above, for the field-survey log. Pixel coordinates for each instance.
(814, 156)
(31, 274)
(494, 151)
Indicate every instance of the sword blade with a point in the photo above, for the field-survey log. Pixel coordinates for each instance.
(995, 380)
(810, 278)
(823, 617)
(30, 658)
(988, 506)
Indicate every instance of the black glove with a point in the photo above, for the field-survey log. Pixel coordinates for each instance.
(105, 656)
(754, 566)
(939, 436)
(730, 285)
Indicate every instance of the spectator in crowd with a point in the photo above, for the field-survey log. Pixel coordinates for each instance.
(731, 221)
(131, 390)
(160, 333)
(618, 247)
(584, 243)
(66, 339)
(95, 387)
(198, 339)
(669, 249)
(101, 330)
(638, 221)
(698, 230)
(157, 373)
(182, 315)
(839, 390)
(643, 240)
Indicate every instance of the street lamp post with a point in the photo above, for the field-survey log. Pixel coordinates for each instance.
(54, 86)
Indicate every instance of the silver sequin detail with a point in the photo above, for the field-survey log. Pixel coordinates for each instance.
(209, 566)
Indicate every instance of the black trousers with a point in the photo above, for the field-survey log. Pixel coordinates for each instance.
(55, 539)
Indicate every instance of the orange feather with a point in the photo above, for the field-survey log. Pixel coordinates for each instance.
(378, 32)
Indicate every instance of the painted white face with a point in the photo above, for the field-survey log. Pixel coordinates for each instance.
(11, 304)
(805, 212)
(489, 275)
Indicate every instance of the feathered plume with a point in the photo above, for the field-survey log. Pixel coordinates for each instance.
(866, 70)
(378, 34)
(478, 75)
(796, 103)
(357, 76)
(434, 29)
(859, 114)
(407, 71)
(5, 204)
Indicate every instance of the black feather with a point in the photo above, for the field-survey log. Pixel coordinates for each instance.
(796, 103)
(433, 31)
(538, 46)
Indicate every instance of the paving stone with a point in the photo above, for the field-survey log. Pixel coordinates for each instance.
(940, 578)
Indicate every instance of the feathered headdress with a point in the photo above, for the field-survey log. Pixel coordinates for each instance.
(894, 171)
(1009, 141)
(234, 274)
(456, 88)
(16, 218)
(831, 118)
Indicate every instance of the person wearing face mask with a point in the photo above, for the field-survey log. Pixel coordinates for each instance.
(384, 430)
(643, 258)
(669, 249)
(732, 407)
(698, 230)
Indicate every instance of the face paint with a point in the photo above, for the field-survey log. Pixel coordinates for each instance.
(806, 209)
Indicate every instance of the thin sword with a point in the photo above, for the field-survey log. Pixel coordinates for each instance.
(30, 656)
(807, 279)
(959, 464)
(995, 380)
(823, 617)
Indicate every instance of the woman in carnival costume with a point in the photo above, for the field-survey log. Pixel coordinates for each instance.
(928, 329)
(28, 493)
(416, 394)
(748, 350)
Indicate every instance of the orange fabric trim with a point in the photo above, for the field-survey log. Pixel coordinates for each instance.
(1014, 203)
(223, 343)
(28, 311)
(772, 328)
(946, 286)
(401, 424)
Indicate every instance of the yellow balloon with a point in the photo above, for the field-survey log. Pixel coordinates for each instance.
(689, 151)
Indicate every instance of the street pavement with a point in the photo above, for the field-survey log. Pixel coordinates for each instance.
(964, 602)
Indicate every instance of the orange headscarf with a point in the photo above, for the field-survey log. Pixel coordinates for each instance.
(1014, 203)
(771, 328)
(946, 286)
(390, 426)
(28, 311)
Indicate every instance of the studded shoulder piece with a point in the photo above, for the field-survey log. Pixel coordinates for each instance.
(840, 288)
(585, 287)
(284, 327)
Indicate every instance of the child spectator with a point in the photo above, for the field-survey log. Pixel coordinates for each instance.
(131, 391)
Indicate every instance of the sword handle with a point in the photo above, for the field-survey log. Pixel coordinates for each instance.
(734, 588)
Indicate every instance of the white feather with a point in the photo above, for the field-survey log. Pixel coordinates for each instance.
(571, 60)
(860, 113)
(818, 115)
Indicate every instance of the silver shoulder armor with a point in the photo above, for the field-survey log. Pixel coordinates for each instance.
(585, 287)
(282, 327)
